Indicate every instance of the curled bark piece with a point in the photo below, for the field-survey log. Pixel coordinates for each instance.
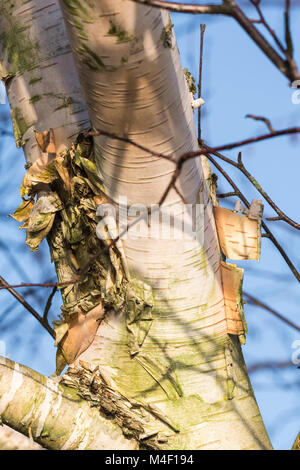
(232, 278)
(239, 235)
(45, 141)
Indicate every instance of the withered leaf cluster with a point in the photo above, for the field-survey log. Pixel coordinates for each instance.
(60, 197)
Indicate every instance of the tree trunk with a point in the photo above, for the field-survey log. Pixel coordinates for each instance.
(167, 345)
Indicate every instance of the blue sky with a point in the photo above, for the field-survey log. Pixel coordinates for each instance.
(237, 80)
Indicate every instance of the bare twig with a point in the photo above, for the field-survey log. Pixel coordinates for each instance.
(215, 151)
(188, 155)
(273, 219)
(187, 7)
(231, 8)
(288, 51)
(263, 21)
(26, 305)
(206, 152)
(254, 301)
(180, 194)
(255, 183)
(48, 304)
(268, 234)
(230, 194)
(253, 140)
(39, 284)
(202, 31)
(270, 365)
(288, 36)
(264, 119)
(172, 184)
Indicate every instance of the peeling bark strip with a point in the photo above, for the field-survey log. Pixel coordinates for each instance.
(38, 70)
(232, 279)
(54, 415)
(137, 419)
(239, 236)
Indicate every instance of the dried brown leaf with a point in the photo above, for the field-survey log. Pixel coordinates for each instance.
(81, 333)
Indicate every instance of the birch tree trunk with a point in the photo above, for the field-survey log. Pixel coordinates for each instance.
(166, 348)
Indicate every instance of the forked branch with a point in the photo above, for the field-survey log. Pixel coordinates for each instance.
(230, 8)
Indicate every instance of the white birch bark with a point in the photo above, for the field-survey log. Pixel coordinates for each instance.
(38, 69)
(13, 440)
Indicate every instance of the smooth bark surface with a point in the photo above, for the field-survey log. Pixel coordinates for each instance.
(13, 440)
(38, 70)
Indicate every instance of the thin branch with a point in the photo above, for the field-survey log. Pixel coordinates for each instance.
(230, 194)
(264, 119)
(230, 8)
(268, 233)
(254, 301)
(273, 219)
(269, 365)
(202, 31)
(48, 304)
(206, 152)
(180, 194)
(187, 7)
(288, 35)
(240, 166)
(178, 163)
(38, 284)
(188, 155)
(263, 21)
(26, 305)
(253, 140)
(287, 67)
